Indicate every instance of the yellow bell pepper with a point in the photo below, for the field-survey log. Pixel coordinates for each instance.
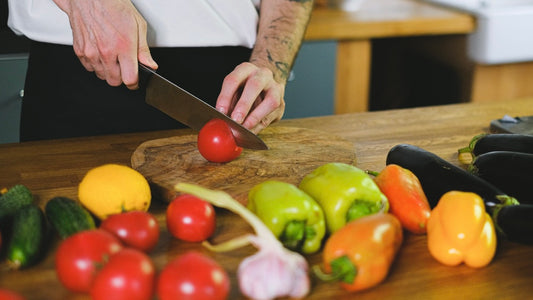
(459, 230)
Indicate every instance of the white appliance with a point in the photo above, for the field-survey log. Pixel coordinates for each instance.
(504, 30)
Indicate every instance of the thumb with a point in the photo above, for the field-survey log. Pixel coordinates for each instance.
(145, 57)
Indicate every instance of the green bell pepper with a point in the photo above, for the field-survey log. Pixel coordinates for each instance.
(293, 216)
(344, 192)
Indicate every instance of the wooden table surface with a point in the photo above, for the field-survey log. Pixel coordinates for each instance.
(354, 32)
(387, 18)
(52, 168)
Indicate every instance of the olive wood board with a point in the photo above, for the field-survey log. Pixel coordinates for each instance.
(293, 153)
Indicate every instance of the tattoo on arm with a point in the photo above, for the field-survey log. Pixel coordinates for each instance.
(280, 36)
(283, 67)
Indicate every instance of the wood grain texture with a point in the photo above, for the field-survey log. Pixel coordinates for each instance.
(55, 168)
(387, 18)
(293, 152)
(505, 81)
(352, 76)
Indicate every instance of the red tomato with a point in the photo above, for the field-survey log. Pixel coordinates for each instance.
(10, 295)
(193, 276)
(216, 142)
(190, 218)
(137, 229)
(77, 257)
(129, 274)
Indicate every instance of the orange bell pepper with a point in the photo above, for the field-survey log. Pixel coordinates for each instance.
(361, 252)
(407, 200)
(459, 230)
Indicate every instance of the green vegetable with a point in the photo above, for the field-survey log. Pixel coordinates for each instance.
(27, 237)
(15, 198)
(293, 216)
(68, 216)
(345, 193)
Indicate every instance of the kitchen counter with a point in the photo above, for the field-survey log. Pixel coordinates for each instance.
(354, 32)
(52, 168)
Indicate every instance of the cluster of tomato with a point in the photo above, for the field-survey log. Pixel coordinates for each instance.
(112, 262)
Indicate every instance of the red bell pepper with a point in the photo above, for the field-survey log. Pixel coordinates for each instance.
(407, 200)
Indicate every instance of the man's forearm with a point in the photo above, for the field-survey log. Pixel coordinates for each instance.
(281, 29)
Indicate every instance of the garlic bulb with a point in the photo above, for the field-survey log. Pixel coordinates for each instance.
(273, 271)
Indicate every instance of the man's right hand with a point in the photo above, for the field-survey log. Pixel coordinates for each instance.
(109, 37)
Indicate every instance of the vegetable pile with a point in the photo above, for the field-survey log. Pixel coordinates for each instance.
(354, 219)
(270, 273)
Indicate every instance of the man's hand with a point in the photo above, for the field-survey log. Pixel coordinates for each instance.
(252, 97)
(253, 93)
(109, 37)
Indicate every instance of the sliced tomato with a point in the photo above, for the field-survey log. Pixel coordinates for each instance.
(216, 142)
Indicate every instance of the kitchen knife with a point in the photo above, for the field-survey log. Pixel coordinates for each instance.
(190, 110)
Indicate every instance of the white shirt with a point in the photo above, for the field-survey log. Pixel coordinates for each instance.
(171, 23)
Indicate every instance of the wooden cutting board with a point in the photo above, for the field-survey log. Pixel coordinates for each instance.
(293, 153)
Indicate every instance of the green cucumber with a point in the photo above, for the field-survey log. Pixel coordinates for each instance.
(15, 198)
(68, 216)
(27, 237)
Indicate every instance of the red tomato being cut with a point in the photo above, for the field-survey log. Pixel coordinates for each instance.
(216, 142)
(128, 275)
(77, 257)
(190, 218)
(137, 229)
(193, 276)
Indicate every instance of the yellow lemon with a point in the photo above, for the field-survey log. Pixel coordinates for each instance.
(111, 189)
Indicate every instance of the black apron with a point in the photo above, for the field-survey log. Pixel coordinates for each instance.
(62, 99)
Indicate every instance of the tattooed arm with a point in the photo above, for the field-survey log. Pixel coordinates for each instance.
(253, 93)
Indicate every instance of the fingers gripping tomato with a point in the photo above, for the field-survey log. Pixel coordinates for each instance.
(216, 142)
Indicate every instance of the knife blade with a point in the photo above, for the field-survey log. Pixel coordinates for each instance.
(188, 109)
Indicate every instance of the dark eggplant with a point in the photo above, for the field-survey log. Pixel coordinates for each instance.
(511, 172)
(515, 222)
(437, 176)
(484, 143)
